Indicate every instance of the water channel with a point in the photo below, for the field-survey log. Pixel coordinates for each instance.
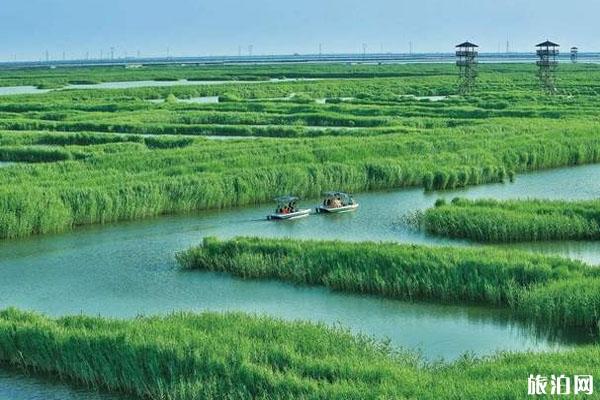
(14, 90)
(126, 269)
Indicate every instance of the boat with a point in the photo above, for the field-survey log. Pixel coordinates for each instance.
(336, 203)
(287, 209)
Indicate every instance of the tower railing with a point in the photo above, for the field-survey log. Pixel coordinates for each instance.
(547, 53)
(467, 53)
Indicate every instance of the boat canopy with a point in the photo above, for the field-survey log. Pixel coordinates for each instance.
(286, 199)
(336, 194)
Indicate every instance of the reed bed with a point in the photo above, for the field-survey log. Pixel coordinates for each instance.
(121, 181)
(485, 276)
(52, 78)
(515, 220)
(101, 155)
(237, 356)
(33, 154)
(569, 302)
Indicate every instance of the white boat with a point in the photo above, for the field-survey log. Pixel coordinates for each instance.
(337, 203)
(288, 216)
(337, 210)
(287, 209)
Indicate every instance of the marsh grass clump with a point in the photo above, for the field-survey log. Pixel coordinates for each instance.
(229, 98)
(168, 142)
(515, 220)
(207, 356)
(242, 357)
(484, 276)
(33, 154)
(171, 99)
(570, 302)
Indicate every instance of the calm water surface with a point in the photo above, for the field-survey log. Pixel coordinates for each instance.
(126, 269)
(18, 387)
(12, 90)
(191, 100)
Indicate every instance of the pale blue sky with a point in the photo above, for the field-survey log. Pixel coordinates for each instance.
(197, 27)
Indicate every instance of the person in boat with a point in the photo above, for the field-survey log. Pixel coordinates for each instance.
(336, 203)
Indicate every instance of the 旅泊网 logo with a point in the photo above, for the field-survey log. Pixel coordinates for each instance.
(560, 385)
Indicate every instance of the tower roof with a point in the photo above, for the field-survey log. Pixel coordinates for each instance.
(547, 43)
(467, 44)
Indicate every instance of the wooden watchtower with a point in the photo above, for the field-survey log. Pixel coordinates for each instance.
(547, 53)
(466, 60)
(574, 54)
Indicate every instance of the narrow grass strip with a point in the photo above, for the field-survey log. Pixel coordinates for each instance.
(515, 220)
(485, 276)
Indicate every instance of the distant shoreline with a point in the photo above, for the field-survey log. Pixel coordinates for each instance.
(392, 58)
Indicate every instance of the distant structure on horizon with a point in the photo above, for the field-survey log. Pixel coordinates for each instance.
(574, 54)
(547, 53)
(466, 60)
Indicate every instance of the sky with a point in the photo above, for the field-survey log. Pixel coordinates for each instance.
(74, 28)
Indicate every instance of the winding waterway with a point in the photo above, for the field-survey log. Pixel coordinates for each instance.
(126, 269)
(14, 90)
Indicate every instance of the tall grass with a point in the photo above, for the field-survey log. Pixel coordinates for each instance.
(487, 276)
(236, 356)
(86, 75)
(63, 139)
(570, 302)
(118, 181)
(375, 138)
(209, 356)
(515, 220)
(35, 154)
